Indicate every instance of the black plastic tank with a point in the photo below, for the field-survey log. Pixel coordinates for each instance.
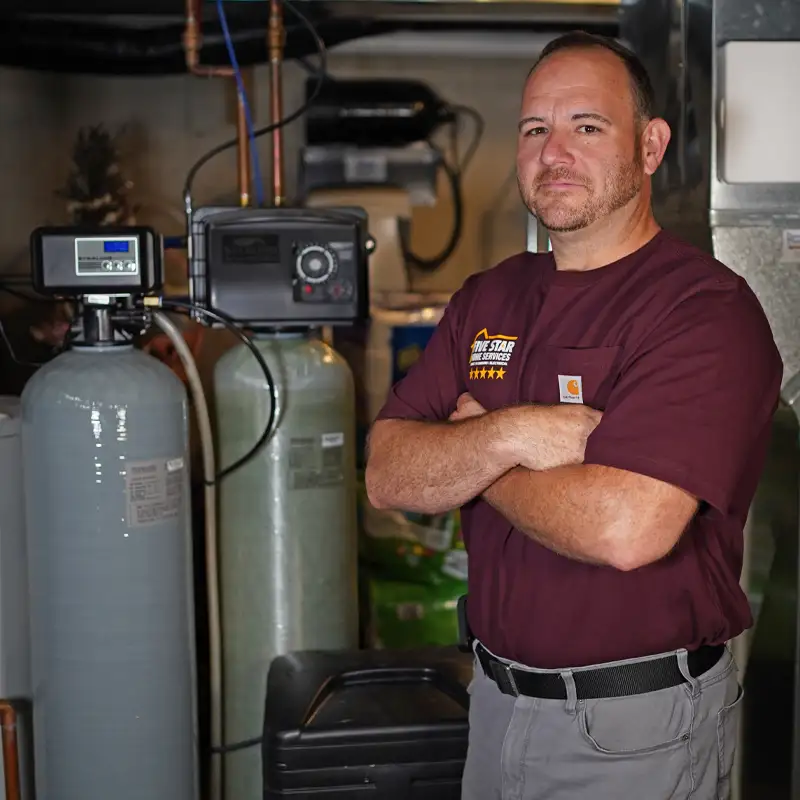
(389, 725)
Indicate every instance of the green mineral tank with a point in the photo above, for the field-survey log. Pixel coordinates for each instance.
(288, 538)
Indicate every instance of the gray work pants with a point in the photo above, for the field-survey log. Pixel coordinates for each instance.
(673, 744)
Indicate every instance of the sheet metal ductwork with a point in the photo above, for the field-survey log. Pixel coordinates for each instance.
(749, 226)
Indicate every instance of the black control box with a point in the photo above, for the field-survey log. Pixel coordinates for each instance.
(281, 267)
(77, 261)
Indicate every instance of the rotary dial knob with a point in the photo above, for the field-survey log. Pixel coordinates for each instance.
(315, 264)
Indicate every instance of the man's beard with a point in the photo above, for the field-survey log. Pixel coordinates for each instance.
(560, 212)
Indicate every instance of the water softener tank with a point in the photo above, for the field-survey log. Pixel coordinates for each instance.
(288, 542)
(105, 451)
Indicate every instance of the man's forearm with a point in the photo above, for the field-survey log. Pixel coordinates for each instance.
(433, 467)
(595, 514)
(559, 508)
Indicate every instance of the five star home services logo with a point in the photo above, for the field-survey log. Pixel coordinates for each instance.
(489, 355)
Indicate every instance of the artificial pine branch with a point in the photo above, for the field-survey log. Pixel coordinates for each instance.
(96, 191)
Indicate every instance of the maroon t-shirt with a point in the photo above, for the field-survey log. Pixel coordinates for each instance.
(676, 351)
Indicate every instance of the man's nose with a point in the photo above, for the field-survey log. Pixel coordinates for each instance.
(555, 150)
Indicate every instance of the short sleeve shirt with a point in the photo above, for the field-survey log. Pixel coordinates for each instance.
(675, 349)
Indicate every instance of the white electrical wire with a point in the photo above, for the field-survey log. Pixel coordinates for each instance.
(212, 571)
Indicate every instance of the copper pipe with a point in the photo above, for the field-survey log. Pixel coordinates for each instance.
(277, 39)
(192, 43)
(242, 152)
(11, 768)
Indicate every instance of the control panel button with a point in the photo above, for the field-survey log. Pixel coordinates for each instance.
(341, 290)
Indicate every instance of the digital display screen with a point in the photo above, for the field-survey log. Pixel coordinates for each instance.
(116, 247)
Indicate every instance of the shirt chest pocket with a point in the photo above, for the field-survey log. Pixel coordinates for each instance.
(575, 375)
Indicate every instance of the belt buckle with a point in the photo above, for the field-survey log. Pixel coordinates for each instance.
(504, 678)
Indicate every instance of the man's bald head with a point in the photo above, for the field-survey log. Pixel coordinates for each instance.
(641, 87)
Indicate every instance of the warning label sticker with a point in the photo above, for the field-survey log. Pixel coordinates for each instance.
(154, 491)
(316, 462)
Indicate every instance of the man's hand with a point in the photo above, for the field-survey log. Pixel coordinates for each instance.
(543, 437)
(554, 436)
(466, 407)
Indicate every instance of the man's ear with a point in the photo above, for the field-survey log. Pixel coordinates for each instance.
(654, 141)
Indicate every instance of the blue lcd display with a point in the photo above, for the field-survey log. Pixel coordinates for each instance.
(116, 247)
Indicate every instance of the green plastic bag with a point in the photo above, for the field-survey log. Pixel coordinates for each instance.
(414, 548)
(407, 615)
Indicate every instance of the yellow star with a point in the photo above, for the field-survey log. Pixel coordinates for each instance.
(500, 373)
(491, 372)
(483, 372)
(472, 374)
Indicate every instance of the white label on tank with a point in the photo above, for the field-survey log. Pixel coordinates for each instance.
(790, 252)
(313, 464)
(154, 491)
(332, 439)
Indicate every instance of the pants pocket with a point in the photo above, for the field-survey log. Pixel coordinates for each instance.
(639, 724)
(727, 733)
(639, 746)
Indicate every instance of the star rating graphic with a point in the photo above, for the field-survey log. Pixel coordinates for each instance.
(491, 373)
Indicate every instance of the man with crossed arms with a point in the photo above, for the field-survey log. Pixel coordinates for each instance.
(601, 415)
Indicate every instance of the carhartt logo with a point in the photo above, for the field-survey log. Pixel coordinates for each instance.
(570, 388)
(489, 356)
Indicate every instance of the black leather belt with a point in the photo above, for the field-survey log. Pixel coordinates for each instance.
(637, 677)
